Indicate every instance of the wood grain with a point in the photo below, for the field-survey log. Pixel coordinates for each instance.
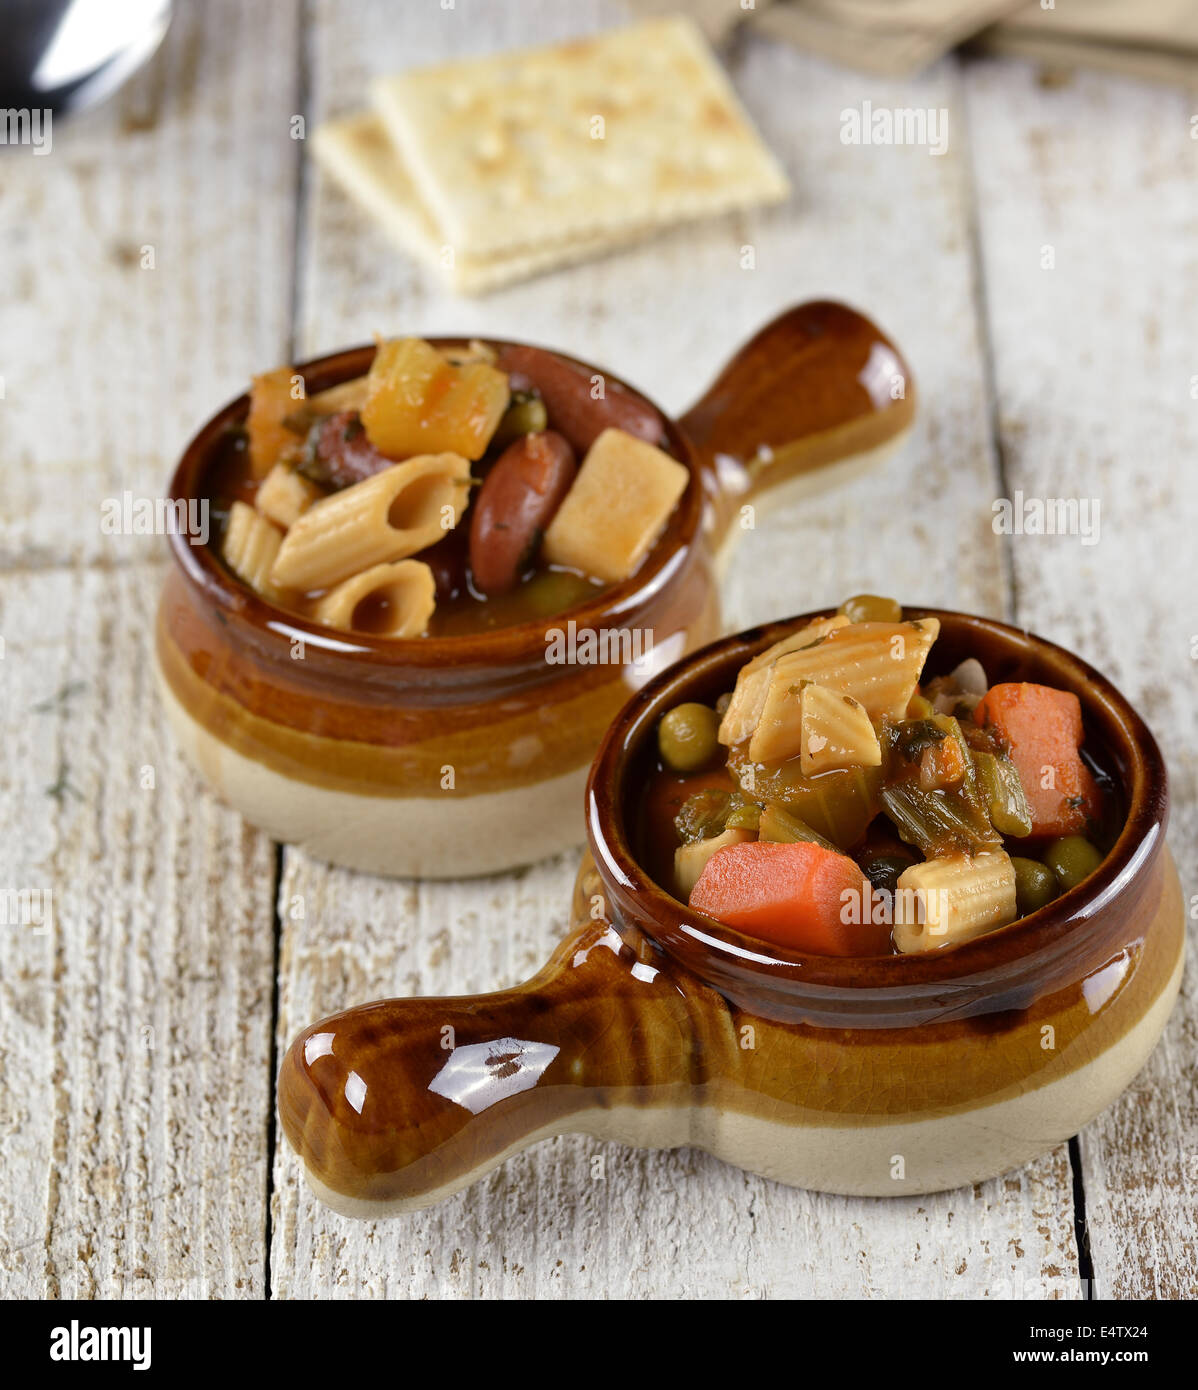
(1094, 361)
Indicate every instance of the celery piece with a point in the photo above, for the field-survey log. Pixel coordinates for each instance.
(781, 827)
(1002, 795)
(938, 822)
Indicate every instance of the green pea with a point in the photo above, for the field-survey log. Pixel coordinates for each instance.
(870, 608)
(686, 737)
(525, 415)
(1072, 858)
(1035, 884)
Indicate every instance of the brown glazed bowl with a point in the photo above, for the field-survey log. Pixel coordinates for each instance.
(442, 757)
(654, 1026)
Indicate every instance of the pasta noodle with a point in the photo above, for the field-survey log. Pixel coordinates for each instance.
(396, 513)
(753, 680)
(835, 732)
(878, 664)
(284, 495)
(944, 901)
(389, 600)
(250, 546)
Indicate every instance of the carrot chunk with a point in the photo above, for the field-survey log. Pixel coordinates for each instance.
(1043, 729)
(799, 895)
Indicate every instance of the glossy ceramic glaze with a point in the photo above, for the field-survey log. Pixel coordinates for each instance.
(440, 757)
(655, 1026)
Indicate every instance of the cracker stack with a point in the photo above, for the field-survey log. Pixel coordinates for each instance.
(496, 169)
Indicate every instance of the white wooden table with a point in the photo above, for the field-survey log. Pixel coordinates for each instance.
(139, 1035)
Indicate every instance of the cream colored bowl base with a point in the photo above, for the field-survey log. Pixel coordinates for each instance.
(448, 836)
(905, 1158)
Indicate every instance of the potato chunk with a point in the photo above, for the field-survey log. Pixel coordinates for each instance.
(616, 508)
(419, 403)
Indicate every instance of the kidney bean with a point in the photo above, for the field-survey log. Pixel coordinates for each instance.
(447, 560)
(338, 454)
(566, 390)
(514, 505)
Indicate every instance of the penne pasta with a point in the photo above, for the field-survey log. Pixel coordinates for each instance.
(753, 681)
(284, 495)
(250, 546)
(878, 664)
(616, 508)
(944, 901)
(389, 600)
(393, 514)
(835, 732)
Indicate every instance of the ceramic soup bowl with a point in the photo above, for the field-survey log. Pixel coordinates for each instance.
(446, 756)
(654, 1026)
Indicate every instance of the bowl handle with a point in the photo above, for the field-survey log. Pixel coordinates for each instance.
(396, 1104)
(819, 385)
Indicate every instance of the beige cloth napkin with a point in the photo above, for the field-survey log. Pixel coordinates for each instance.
(1156, 39)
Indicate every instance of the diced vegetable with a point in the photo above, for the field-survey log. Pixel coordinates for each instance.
(798, 895)
(271, 402)
(837, 805)
(945, 901)
(691, 859)
(780, 827)
(1002, 794)
(938, 822)
(418, 403)
(1043, 729)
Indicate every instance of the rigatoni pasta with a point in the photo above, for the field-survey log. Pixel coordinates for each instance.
(945, 901)
(251, 545)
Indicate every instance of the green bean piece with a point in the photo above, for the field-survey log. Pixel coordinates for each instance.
(686, 737)
(1072, 858)
(526, 414)
(1002, 794)
(1035, 884)
(781, 828)
(870, 608)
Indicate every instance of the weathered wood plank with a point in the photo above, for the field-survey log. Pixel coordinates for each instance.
(887, 229)
(136, 1027)
(148, 273)
(136, 1032)
(1094, 362)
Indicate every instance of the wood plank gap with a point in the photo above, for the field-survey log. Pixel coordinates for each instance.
(1085, 1261)
(299, 235)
